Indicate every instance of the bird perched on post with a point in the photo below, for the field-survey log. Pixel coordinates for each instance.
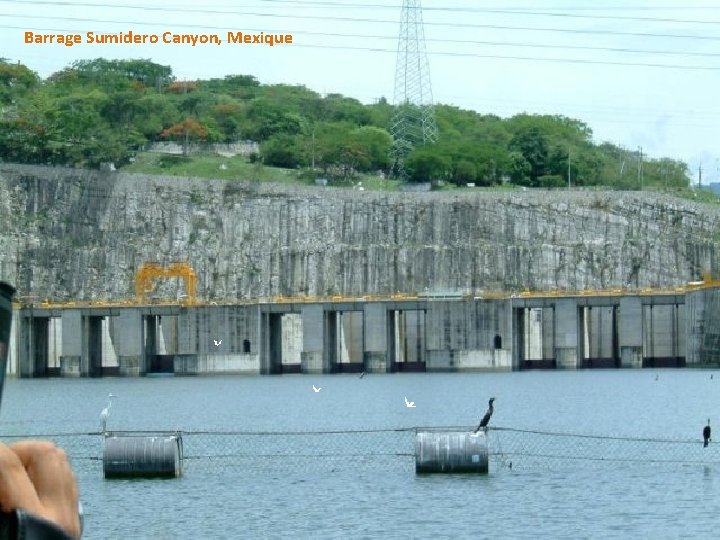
(106, 412)
(486, 419)
(706, 434)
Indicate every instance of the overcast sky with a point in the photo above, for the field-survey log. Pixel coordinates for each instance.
(640, 73)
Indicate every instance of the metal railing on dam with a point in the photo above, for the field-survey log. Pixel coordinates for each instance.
(35, 301)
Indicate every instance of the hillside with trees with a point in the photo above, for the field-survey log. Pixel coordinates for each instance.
(98, 111)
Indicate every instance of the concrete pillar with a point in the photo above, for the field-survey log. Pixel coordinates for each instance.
(187, 332)
(630, 331)
(54, 344)
(72, 349)
(12, 368)
(375, 354)
(128, 329)
(566, 333)
(314, 357)
(702, 328)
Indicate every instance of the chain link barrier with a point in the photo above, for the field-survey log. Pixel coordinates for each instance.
(509, 449)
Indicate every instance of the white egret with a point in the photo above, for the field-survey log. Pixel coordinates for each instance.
(106, 412)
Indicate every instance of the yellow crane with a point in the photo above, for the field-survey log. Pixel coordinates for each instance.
(149, 271)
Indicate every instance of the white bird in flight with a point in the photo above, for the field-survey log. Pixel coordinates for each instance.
(317, 389)
(106, 412)
(409, 404)
(217, 343)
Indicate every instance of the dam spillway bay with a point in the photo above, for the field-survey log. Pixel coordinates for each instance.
(600, 329)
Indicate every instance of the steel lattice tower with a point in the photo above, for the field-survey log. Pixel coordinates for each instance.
(413, 123)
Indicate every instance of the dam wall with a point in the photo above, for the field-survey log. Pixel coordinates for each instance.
(373, 336)
(76, 235)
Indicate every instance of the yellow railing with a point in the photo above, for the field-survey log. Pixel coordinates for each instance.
(707, 283)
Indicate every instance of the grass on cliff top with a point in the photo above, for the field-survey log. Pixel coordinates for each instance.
(239, 168)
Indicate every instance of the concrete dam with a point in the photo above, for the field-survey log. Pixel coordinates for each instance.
(293, 279)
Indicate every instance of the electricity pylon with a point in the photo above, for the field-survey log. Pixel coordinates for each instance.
(413, 123)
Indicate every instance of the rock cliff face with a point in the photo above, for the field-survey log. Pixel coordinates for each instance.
(81, 235)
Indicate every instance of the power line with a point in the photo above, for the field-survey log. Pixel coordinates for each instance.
(529, 58)
(521, 58)
(549, 12)
(374, 21)
(437, 53)
(457, 41)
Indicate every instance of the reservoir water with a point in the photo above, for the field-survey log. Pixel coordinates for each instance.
(363, 485)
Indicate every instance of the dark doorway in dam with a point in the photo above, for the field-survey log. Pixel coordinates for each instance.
(155, 362)
(95, 356)
(535, 337)
(663, 335)
(599, 342)
(39, 347)
(282, 334)
(346, 340)
(406, 340)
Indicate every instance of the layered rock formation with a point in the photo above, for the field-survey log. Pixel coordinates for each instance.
(81, 235)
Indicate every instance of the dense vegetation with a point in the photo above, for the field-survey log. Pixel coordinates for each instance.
(99, 111)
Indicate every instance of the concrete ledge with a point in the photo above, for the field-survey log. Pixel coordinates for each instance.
(566, 357)
(631, 357)
(217, 364)
(469, 360)
(129, 366)
(484, 360)
(312, 362)
(375, 362)
(70, 366)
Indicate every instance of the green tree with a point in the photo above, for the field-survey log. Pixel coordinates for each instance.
(427, 163)
(373, 144)
(16, 80)
(120, 73)
(268, 118)
(282, 150)
(152, 114)
(532, 144)
(465, 171)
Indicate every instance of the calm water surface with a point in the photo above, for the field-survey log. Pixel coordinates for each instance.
(359, 497)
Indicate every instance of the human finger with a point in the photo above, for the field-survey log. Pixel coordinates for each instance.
(16, 488)
(49, 471)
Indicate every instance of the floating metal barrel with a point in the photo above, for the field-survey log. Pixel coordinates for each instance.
(451, 452)
(143, 456)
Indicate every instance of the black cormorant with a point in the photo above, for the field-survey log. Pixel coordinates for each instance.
(486, 419)
(706, 434)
